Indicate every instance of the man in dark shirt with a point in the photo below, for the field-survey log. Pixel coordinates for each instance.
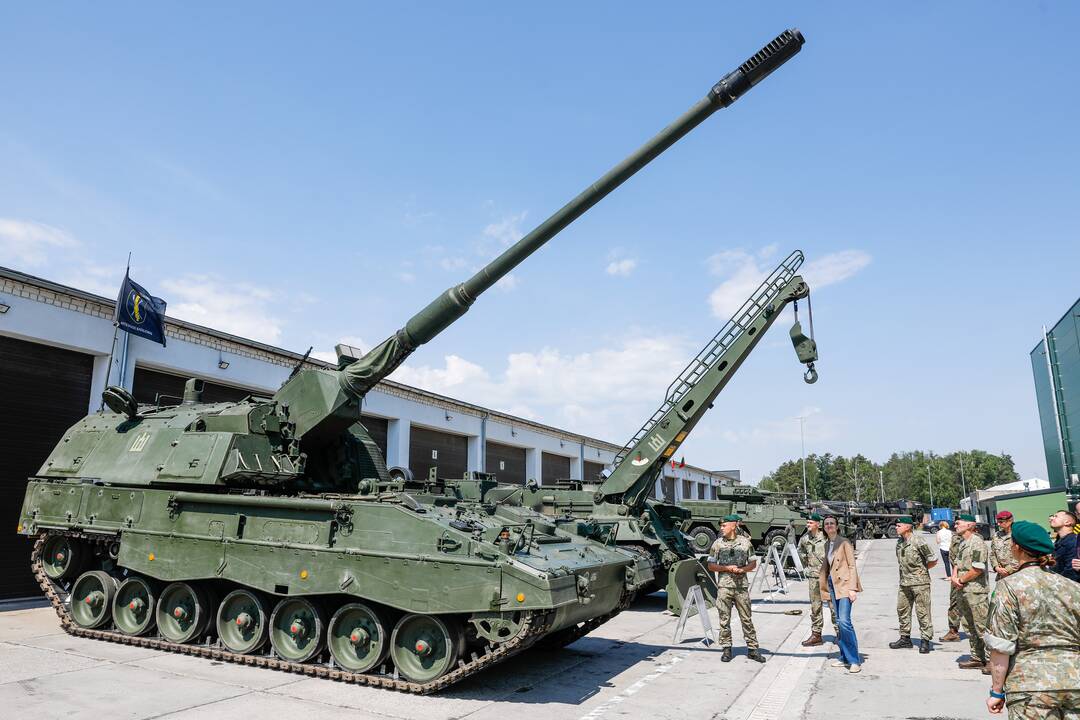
(1067, 561)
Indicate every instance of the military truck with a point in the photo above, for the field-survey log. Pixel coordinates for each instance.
(216, 529)
(767, 517)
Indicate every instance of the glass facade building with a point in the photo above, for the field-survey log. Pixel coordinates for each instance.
(1055, 364)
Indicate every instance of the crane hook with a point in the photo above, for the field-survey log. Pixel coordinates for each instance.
(810, 376)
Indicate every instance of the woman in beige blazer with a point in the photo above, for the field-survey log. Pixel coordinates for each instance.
(840, 585)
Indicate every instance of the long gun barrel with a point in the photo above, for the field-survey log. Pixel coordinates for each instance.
(319, 403)
(366, 372)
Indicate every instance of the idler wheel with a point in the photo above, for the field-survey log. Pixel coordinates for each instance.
(91, 598)
(424, 647)
(242, 621)
(297, 629)
(62, 557)
(357, 638)
(134, 605)
(184, 612)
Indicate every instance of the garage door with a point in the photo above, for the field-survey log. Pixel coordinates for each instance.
(553, 468)
(151, 384)
(506, 462)
(377, 429)
(431, 448)
(45, 391)
(592, 471)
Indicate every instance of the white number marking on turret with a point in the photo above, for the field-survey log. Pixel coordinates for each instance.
(140, 443)
(656, 442)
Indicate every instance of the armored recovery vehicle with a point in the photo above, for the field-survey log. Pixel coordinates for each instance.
(216, 529)
(618, 509)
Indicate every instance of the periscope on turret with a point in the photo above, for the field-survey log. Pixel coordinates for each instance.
(222, 529)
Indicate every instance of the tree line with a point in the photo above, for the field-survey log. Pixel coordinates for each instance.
(904, 476)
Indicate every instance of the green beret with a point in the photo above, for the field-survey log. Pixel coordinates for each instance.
(815, 516)
(906, 519)
(732, 518)
(966, 517)
(1032, 538)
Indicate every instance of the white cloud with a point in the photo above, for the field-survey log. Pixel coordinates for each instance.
(507, 282)
(834, 268)
(621, 268)
(30, 244)
(452, 263)
(233, 307)
(605, 392)
(406, 277)
(506, 231)
(742, 273)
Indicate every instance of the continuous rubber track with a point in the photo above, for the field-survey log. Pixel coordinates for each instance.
(532, 631)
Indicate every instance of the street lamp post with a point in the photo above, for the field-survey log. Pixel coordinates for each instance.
(802, 443)
(963, 482)
(881, 484)
(930, 480)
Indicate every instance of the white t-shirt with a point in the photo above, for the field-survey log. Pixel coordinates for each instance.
(944, 539)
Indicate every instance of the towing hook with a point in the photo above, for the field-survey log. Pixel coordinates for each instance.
(810, 376)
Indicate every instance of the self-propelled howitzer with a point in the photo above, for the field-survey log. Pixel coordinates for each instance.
(216, 529)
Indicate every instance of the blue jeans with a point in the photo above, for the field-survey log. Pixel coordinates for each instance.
(948, 565)
(849, 644)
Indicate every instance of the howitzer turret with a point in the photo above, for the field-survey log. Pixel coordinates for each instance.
(283, 509)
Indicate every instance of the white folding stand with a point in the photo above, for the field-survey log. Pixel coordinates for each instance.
(770, 574)
(694, 604)
(791, 552)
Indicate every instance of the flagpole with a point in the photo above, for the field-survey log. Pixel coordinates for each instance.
(116, 332)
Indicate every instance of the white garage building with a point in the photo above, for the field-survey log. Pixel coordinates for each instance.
(54, 349)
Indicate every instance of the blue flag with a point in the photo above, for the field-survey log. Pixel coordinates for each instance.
(139, 312)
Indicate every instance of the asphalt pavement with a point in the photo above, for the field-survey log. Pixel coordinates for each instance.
(626, 668)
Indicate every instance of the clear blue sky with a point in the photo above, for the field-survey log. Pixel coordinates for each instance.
(309, 173)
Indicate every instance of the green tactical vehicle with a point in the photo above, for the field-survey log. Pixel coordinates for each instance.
(767, 517)
(619, 504)
(218, 529)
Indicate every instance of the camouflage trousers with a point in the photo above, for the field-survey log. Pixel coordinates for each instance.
(817, 617)
(974, 608)
(917, 596)
(725, 598)
(1051, 704)
(954, 607)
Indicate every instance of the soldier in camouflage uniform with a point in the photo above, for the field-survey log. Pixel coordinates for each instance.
(970, 579)
(1034, 635)
(812, 555)
(954, 592)
(732, 556)
(914, 558)
(1001, 557)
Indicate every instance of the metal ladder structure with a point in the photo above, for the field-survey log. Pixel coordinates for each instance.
(766, 294)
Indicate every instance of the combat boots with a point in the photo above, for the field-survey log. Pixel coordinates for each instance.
(971, 664)
(952, 636)
(726, 655)
(924, 647)
(903, 642)
(813, 640)
(754, 655)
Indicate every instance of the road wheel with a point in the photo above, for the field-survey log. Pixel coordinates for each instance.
(424, 647)
(91, 598)
(701, 538)
(183, 612)
(777, 537)
(357, 638)
(890, 532)
(243, 621)
(297, 629)
(63, 557)
(134, 605)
